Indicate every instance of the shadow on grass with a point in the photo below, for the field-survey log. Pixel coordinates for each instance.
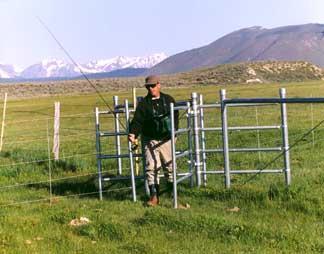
(87, 187)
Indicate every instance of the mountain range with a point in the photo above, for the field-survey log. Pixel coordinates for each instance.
(287, 43)
(54, 68)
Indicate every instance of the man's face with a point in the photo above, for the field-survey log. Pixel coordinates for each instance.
(154, 90)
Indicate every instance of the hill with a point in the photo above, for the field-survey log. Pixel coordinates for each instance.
(289, 43)
(241, 73)
(255, 72)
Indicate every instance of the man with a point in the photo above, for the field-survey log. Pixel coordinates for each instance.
(152, 121)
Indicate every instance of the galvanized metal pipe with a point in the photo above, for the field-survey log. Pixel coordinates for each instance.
(242, 128)
(285, 137)
(131, 162)
(202, 138)
(114, 156)
(189, 139)
(98, 150)
(117, 137)
(225, 139)
(248, 128)
(118, 178)
(265, 149)
(217, 105)
(112, 134)
(181, 108)
(248, 171)
(245, 101)
(184, 177)
(173, 153)
(182, 154)
(179, 131)
(236, 150)
(194, 98)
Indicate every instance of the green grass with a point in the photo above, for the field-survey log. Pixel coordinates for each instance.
(271, 218)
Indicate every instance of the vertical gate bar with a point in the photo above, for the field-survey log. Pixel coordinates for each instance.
(225, 139)
(203, 139)
(194, 98)
(131, 162)
(189, 127)
(258, 131)
(98, 154)
(174, 165)
(284, 126)
(146, 187)
(117, 137)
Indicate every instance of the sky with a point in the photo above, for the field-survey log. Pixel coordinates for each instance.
(102, 29)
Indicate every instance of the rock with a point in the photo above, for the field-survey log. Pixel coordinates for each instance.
(234, 209)
(79, 222)
(28, 242)
(186, 206)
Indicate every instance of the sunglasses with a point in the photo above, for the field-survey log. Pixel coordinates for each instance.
(150, 86)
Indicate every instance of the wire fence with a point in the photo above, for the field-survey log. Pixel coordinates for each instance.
(25, 162)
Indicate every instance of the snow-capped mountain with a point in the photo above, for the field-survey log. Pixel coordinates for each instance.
(122, 62)
(50, 68)
(8, 71)
(58, 68)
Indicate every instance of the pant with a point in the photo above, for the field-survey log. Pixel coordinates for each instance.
(158, 154)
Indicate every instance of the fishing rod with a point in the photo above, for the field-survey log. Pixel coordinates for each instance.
(79, 68)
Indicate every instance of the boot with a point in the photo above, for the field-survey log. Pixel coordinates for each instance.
(154, 192)
(169, 189)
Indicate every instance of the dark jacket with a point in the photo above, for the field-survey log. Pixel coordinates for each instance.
(151, 116)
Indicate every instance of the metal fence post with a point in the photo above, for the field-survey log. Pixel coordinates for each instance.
(98, 150)
(203, 139)
(284, 126)
(117, 137)
(225, 139)
(194, 97)
(131, 162)
(189, 137)
(173, 151)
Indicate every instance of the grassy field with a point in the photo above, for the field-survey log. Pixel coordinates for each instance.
(257, 215)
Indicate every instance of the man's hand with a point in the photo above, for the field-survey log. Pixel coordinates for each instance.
(131, 138)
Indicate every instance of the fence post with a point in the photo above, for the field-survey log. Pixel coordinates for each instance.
(98, 150)
(258, 131)
(131, 163)
(117, 137)
(284, 127)
(137, 159)
(194, 98)
(225, 139)
(173, 152)
(203, 139)
(3, 121)
(189, 138)
(56, 137)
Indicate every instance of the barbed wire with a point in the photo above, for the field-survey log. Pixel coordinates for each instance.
(63, 196)
(51, 118)
(78, 135)
(52, 180)
(45, 160)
